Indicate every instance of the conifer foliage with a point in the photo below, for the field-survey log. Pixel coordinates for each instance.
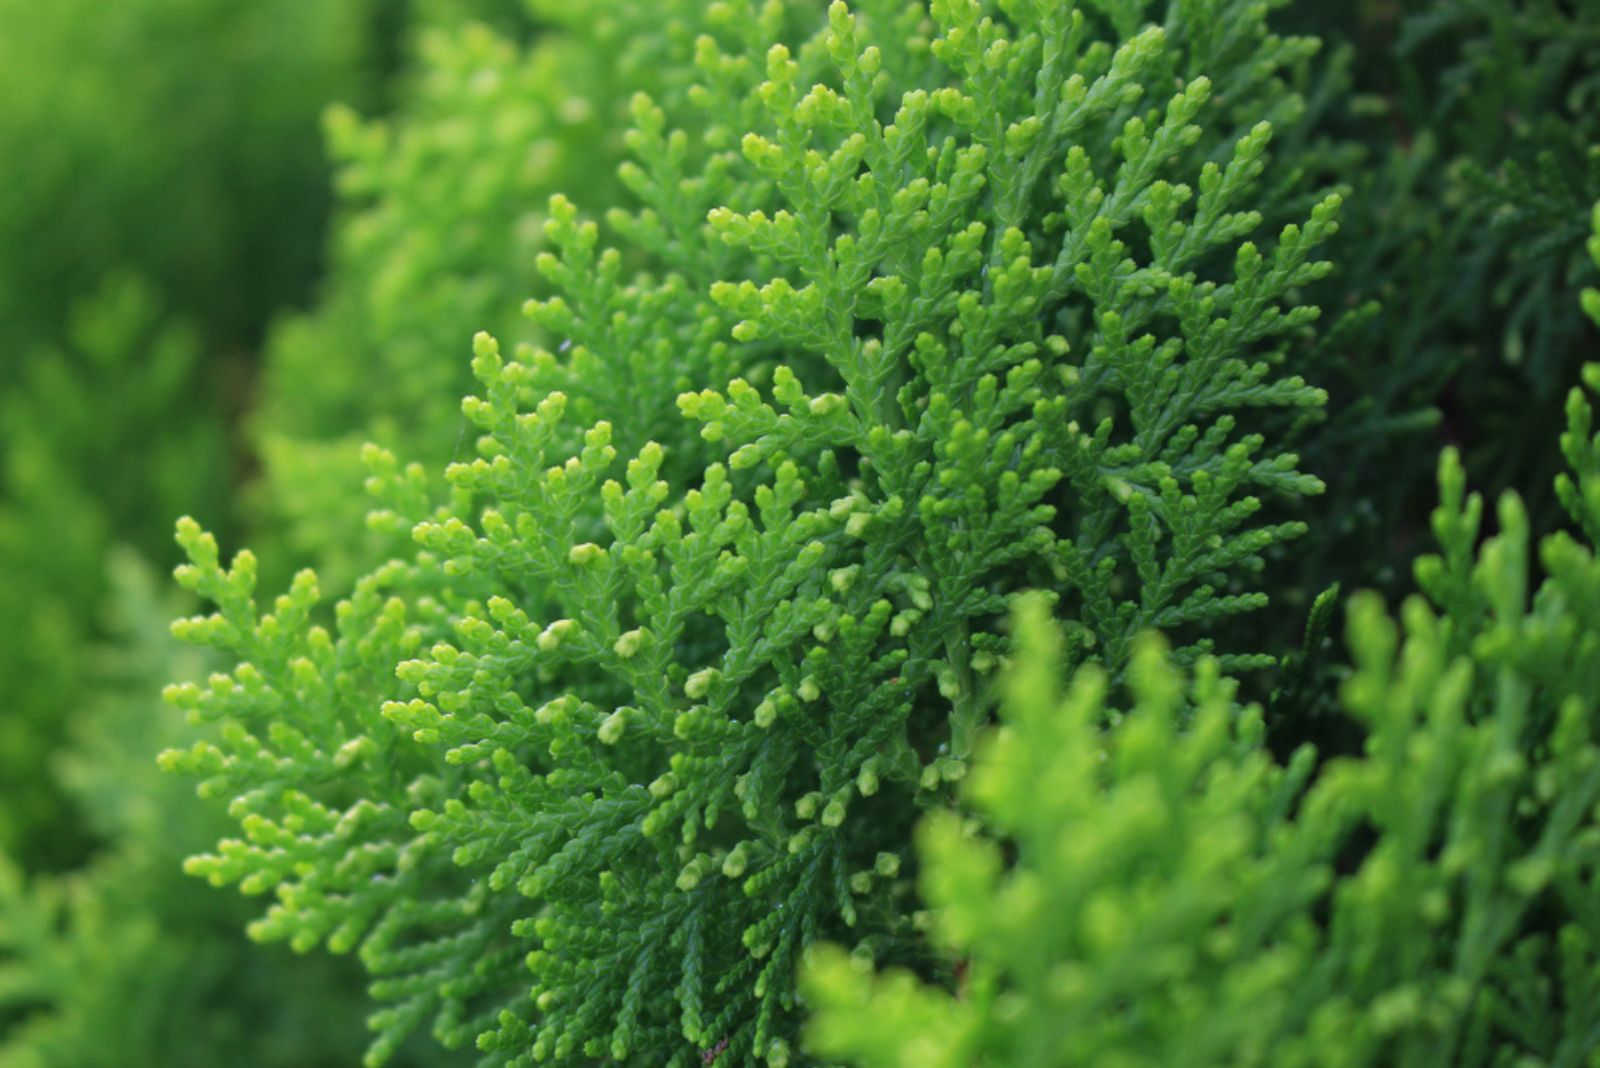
(1180, 897)
(915, 308)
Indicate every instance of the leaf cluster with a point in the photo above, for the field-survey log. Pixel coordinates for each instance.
(911, 311)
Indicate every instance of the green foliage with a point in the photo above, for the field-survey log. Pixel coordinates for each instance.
(957, 302)
(176, 138)
(1178, 896)
(124, 961)
(1501, 94)
(628, 684)
(1461, 256)
(164, 194)
(441, 218)
(1591, 297)
(1517, 108)
(79, 467)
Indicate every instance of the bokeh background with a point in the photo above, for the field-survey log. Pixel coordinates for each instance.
(240, 237)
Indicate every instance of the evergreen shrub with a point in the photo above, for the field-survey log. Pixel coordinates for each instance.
(877, 602)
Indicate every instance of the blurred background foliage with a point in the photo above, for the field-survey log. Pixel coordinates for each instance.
(237, 240)
(176, 139)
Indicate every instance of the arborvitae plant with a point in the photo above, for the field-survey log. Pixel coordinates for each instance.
(164, 195)
(1515, 97)
(1493, 99)
(915, 310)
(1178, 896)
(124, 961)
(1460, 258)
(1512, 107)
(442, 205)
(118, 124)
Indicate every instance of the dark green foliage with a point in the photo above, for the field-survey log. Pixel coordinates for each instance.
(1517, 107)
(1478, 141)
(1180, 897)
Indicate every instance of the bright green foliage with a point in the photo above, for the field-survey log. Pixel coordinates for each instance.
(1144, 921)
(584, 775)
(442, 216)
(124, 961)
(79, 467)
(1179, 897)
(956, 302)
(163, 194)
